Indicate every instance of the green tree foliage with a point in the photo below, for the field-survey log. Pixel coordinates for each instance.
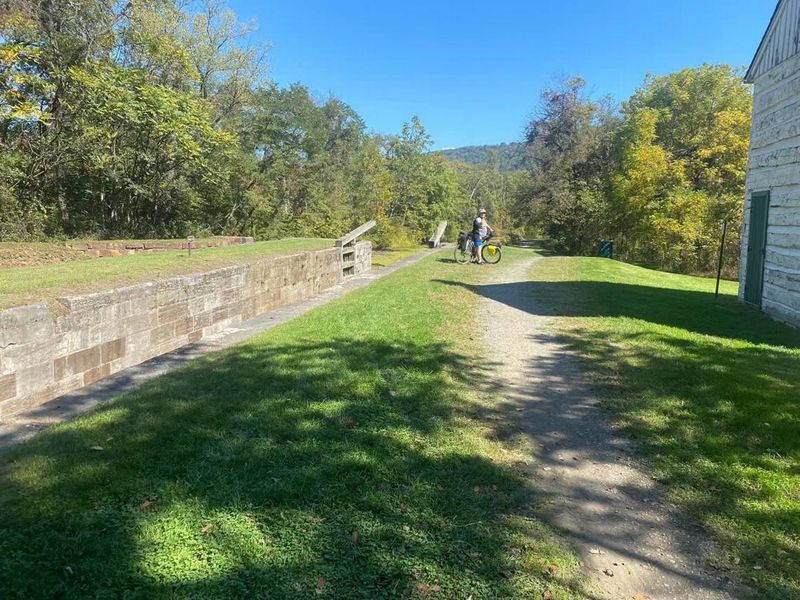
(681, 160)
(493, 189)
(568, 148)
(303, 149)
(148, 154)
(659, 177)
(154, 118)
(40, 43)
(425, 184)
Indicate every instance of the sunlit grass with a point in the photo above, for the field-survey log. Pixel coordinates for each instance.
(341, 455)
(709, 391)
(385, 258)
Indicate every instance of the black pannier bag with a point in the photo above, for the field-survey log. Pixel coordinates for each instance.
(463, 236)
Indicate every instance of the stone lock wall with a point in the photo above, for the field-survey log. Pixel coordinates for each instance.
(48, 351)
(363, 258)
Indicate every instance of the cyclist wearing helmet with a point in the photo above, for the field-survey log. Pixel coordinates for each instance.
(480, 232)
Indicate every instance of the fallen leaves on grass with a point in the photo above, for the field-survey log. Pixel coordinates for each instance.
(348, 422)
(315, 520)
(425, 589)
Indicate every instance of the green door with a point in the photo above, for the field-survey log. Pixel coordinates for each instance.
(756, 248)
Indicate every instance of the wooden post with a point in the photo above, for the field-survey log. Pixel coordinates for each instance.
(351, 237)
(348, 245)
(435, 240)
(721, 256)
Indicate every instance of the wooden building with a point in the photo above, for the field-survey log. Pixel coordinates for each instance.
(770, 271)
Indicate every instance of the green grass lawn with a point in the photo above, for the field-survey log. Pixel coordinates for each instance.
(710, 393)
(21, 285)
(340, 455)
(385, 258)
(23, 254)
(143, 240)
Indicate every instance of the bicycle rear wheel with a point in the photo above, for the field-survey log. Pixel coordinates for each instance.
(491, 253)
(463, 256)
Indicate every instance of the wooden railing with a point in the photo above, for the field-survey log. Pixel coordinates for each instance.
(348, 245)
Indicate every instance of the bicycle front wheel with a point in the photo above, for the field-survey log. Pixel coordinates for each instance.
(463, 256)
(491, 254)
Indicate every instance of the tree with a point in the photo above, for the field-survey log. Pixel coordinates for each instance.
(111, 115)
(659, 178)
(371, 184)
(41, 41)
(150, 153)
(425, 184)
(682, 155)
(305, 149)
(489, 187)
(568, 156)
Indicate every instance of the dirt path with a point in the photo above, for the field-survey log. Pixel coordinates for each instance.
(633, 545)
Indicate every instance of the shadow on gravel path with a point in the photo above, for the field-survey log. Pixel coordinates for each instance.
(631, 541)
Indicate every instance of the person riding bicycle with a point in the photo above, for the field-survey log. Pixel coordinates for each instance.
(480, 233)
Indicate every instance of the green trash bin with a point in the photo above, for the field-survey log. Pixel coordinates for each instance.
(606, 249)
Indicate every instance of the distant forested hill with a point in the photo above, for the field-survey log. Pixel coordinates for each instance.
(510, 157)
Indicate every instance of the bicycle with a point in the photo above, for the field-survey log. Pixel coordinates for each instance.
(491, 252)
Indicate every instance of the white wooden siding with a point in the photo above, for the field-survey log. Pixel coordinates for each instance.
(781, 42)
(774, 163)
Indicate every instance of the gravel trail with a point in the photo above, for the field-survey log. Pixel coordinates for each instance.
(632, 543)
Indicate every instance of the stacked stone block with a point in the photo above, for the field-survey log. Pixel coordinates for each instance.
(46, 351)
(363, 258)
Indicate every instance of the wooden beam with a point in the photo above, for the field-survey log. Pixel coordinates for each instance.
(350, 237)
(436, 238)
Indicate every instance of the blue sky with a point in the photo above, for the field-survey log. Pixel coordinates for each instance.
(473, 70)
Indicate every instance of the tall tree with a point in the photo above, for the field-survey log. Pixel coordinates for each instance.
(425, 184)
(682, 157)
(111, 114)
(42, 41)
(568, 157)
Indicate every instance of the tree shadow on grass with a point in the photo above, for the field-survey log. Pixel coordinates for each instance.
(721, 427)
(541, 247)
(696, 312)
(272, 471)
(717, 417)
